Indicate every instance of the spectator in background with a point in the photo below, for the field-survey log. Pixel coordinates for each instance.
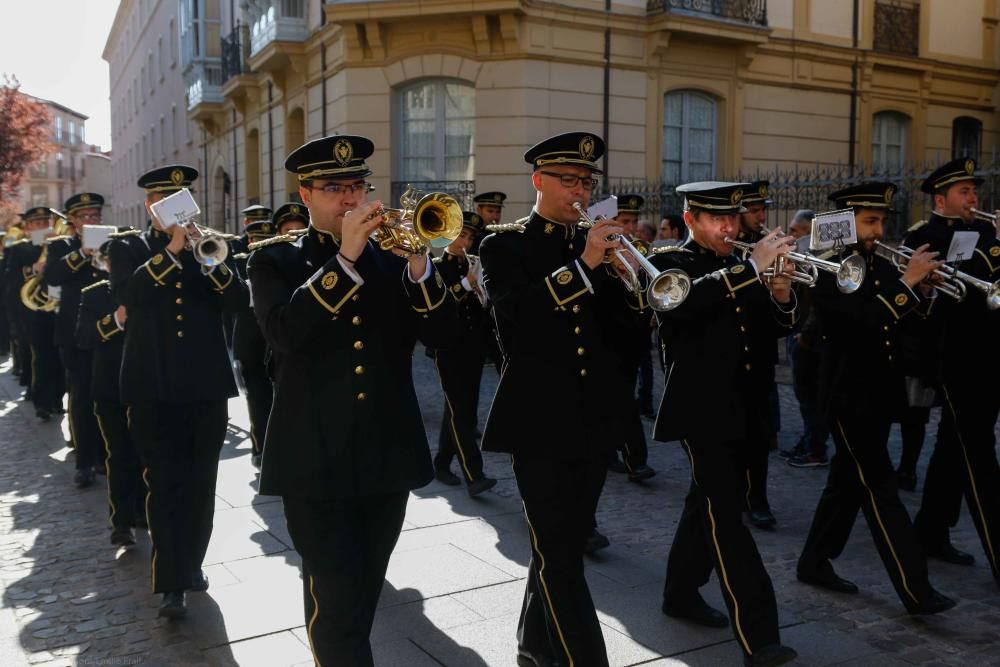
(646, 232)
(672, 231)
(801, 228)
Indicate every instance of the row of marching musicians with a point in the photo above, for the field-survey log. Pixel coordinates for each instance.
(341, 303)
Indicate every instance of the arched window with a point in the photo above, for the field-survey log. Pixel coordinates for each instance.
(690, 121)
(966, 137)
(436, 127)
(889, 141)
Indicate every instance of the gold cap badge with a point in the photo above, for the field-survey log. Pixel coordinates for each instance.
(343, 151)
(587, 147)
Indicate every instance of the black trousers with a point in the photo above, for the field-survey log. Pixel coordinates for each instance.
(82, 422)
(558, 620)
(862, 477)
(179, 445)
(47, 376)
(461, 371)
(634, 449)
(4, 330)
(345, 544)
(761, 427)
(711, 534)
(125, 497)
(20, 349)
(964, 462)
(260, 396)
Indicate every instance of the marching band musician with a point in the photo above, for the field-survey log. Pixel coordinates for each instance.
(68, 266)
(17, 314)
(249, 346)
(489, 207)
(561, 346)
(460, 367)
(964, 457)
(345, 442)
(710, 373)
(176, 379)
(862, 393)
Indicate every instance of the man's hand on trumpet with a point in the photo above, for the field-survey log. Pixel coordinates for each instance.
(920, 268)
(600, 239)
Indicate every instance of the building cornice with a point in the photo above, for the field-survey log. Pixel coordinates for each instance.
(117, 27)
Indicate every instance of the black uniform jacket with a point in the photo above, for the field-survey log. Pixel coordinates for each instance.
(19, 258)
(560, 325)
(473, 326)
(711, 375)
(958, 334)
(174, 344)
(67, 268)
(249, 345)
(345, 420)
(862, 364)
(97, 331)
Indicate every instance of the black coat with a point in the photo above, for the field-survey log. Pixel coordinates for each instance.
(67, 268)
(345, 420)
(473, 324)
(249, 345)
(174, 344)
(20, 257)
(98, 332)
(712, 384)
(560, 342)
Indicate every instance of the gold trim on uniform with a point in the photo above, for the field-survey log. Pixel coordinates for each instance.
(329, 280)
(72, 257)
(156, 260)
(224, 271)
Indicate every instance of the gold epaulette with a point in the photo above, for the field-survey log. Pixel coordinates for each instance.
(241, 255)
(54, 239)
(917, 225)
(124, 234)
(17, 242)
(282, 238)
(667, 248)
(506, 227)
(93, 285)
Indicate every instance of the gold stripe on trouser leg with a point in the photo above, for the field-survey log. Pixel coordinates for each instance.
(69, 420)
(878, 517)
(541, 578)
(723, 576)
(312, 620)
(149, 525)
(107, 464)
(451, 421)
(749, 484)
(972, 482)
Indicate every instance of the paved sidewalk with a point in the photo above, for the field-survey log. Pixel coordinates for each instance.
(455, 580)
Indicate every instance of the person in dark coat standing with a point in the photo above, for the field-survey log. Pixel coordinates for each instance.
(560, 333)
(68, 266)
(861, 394)
(176, 379)
(710, 404)
(345, 442)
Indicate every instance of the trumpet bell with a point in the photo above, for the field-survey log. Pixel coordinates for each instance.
(437, 219)
(851, 274)
(210, 250)
(668, 289)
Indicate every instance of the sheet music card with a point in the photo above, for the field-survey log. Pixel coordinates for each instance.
(833, 229)
(177, 209)
(963, 244)
(606, 209)
(94, 236)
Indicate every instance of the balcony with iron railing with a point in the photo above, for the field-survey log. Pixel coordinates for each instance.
(276, 21)
(897, 27)
(749, 12)
(235, 49)
(204, 83)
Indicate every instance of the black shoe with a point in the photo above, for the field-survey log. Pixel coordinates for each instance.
(763, 519)
(43, 414)
(808, 461)
(173, 605)
(699, 613)
(770, 656)
(478, 486)
(934, 603)
(906, 480)
(615, 464)
(640, 473)
(596, 542)
(825, 577)
(446, 476)
(255, 461)
(525, 659)
(949, 554)
(199, 582)
(797, 450)
(123, 536)
(84, 477)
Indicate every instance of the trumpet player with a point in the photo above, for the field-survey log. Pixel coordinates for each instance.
(711, 373)
(460, 367)
(964, 460)
(862, 393)
(345, 443)
(176, 380)
(68, 266)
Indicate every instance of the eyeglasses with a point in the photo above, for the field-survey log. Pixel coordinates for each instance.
(339, 188)
(570, 180)
(89, 216)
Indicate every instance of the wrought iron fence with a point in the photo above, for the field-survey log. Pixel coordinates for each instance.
(897, 27)
(235, 49)
(753, 12)
(462, 191)
(808, 187)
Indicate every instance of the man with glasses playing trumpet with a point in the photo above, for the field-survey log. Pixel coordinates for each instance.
(176, 380)
(711, 374)
(861, 394)
(960, 331)
(345, 443)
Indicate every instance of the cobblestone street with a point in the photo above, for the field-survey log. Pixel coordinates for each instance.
(456, 578)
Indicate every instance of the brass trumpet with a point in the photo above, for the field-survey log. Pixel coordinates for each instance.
(208, 246)
(667, 289)
(983, 215)
(435, 219)
(850, 272)
(953, 281)
(477, 286)
(34, 295)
